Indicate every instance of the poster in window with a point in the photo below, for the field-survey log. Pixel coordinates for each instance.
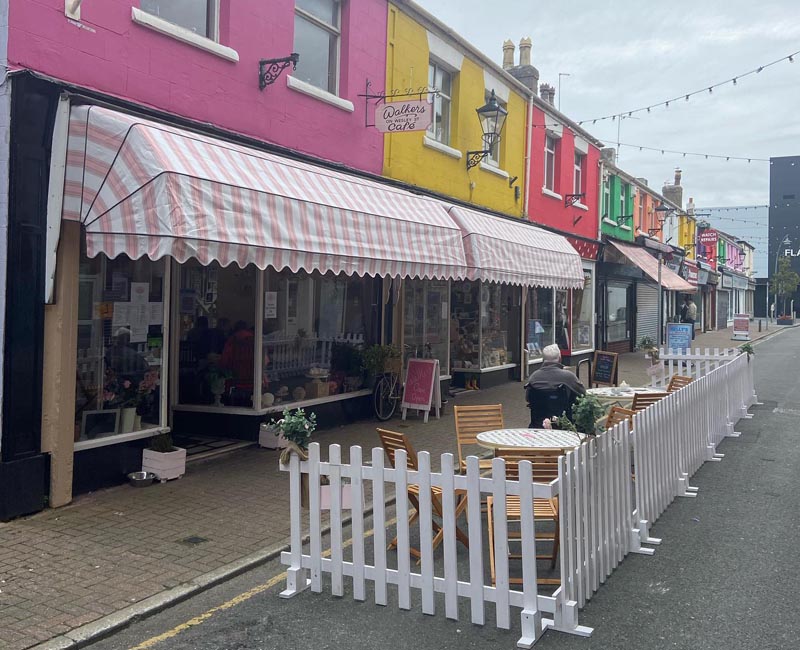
(332, 296)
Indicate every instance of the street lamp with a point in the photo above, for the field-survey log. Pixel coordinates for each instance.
(492, 116)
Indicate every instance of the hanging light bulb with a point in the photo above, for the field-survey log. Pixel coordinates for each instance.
(734, 81)
(710, 90)
(791, 59)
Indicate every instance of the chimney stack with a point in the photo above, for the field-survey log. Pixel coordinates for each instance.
(677, 176)
(609, 154)
(674, 192)
(508, 54)
(548, 93)
(525, 73)
(525, 51)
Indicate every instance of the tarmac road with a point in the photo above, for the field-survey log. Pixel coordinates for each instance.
(724, 578)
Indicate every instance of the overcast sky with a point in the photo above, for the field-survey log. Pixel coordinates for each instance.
(623, 54)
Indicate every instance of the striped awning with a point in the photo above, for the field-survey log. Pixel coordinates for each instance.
(516, 252)
(147, 189)
(649, 265)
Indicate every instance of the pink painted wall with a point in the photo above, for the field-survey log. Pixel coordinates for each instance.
(550, 211)
(112, 54)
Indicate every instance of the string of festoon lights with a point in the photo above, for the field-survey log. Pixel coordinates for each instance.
(686, 96)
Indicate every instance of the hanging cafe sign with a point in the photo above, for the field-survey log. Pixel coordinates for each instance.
(399, 111)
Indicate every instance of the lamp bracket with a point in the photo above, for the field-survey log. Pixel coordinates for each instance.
(270, 69)
(653, 231)
(623, 218)
(474, 158)
(572, 199)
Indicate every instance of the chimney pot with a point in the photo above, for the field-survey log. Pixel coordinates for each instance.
(525, 51)
(508, 54)
(548, 93)
(677, 176)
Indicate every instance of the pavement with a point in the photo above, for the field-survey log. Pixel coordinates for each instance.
(70, 575)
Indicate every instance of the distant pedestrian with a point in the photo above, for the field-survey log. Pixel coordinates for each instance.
(691, 313)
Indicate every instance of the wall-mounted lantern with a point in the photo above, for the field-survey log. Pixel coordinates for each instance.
(493, 117)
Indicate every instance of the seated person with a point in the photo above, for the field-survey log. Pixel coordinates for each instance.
(238, 356)
(548, 377)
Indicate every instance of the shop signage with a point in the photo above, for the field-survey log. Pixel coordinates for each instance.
(708, 240)
(679, 336)
(690, 273)
(741, 327)
(604, 368)
(398, 117)
(422, 389)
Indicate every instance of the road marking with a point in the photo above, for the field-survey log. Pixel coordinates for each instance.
(233, 602)
(783, 411)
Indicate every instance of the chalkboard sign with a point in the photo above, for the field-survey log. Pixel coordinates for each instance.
(422, 390)
(604, 368)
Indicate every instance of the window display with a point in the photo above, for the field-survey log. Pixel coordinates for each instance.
(539, 322)
(562, 319)
(582, 312)
(426, 320)
(216, 318)
(315, 329)
(500, 318)
(119, 347)
(465, 336)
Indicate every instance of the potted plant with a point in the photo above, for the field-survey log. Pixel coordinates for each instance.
(586, 411)
(164, 459)
(648, 345)
(786, 319)
(217, 378)
(378, 359)
(747, 348)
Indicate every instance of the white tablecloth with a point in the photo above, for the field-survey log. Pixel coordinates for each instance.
(529, 439)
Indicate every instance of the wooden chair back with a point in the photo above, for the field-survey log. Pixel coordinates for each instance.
(677, 382)
(391, 441)
(544, 462)
(472, 420)
(618, 414)
(642, 400)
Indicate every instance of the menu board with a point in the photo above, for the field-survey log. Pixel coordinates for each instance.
(422, 390)
(604, 368)
(741, 327)
(679, 336)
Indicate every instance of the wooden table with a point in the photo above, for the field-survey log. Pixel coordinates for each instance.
(529, 439)
(620, 395)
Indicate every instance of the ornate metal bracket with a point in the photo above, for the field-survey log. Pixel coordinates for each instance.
(623, 218)
(572, 199)
(474, 158)
(270, 69)
(395, 94)
(653, 231)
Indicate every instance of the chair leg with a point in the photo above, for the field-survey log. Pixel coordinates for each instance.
(411, 520)
(491, 543)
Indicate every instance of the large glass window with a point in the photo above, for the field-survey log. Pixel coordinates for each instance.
(119, 347)
(562, 324)
(441, 80)
(426, 320)
(198, 16)
(314, 332)
(500, 318)
(465, 333)
(550, 144)
(316, 38)
(578, 173)
(617, 313)
(216, 328)
(539, 321)
(582, 314)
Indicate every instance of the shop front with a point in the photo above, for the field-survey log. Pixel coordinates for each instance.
(202, 286)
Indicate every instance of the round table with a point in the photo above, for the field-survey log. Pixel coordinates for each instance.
(529, 439)
(620, 395)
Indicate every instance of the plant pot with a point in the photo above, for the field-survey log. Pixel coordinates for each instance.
(137, 423)
(165, 466)
(127, 419)
(268, 440)
(786, 321)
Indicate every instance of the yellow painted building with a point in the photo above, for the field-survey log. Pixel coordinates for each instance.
(421, 54)
(687, 234)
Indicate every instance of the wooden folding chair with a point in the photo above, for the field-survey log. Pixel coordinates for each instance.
(618, 414)
(545, 469)
(392, 442)
(642, 400)
(472, 420)
(677, 382)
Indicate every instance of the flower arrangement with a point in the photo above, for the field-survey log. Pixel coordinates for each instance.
(296, 427)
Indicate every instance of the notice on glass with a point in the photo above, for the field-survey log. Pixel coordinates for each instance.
(139, 318)
(156, 313)
(120, 314)
(140, 292)
(270, 304)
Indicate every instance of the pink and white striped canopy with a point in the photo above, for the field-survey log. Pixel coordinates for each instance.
(516, 252)
(147, 189)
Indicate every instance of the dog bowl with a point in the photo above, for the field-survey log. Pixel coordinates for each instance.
(141, 479)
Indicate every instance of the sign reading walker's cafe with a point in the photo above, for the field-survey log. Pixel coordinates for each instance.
(400, 117)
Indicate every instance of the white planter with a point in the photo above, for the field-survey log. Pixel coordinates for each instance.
(127, 419)
(268, 439)
(346, 498)
(165, 466)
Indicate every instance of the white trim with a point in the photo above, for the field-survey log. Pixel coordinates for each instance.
(117, 439)
(318, 400)
(444, 52)
(479, 371)
(277, 408)
(581, 145)
(580, 206)
(317, 93)
(552, 194)
(55, 195)
(445, 377)
(182, 34)
(487, 167)
(441, 147)
(554, 130)
(624, 227)
(610, 222)
(210, 408)
(501, 90)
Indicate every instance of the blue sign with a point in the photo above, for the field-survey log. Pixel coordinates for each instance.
(679, 336)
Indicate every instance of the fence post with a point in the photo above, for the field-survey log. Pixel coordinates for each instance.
(531, 617)
(296, 575)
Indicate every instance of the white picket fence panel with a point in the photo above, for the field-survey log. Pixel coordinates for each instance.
(307, 569)
(690, 363)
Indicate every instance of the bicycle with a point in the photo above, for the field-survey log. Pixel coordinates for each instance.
(388, 390)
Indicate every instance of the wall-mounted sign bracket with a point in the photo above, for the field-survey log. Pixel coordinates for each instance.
(572, 199)
(270, 69)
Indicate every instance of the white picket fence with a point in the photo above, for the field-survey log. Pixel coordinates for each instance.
(610, 492)
(690, 363)
(296, 355)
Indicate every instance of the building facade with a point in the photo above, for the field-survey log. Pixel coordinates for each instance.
(784, 207)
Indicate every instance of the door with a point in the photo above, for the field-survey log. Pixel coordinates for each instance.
(618, 316)
(646, 311)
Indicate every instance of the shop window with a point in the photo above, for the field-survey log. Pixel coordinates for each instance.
(550, 146)
(617, 313)
(539, 322)
(442, 80)
(562, 324)
(578, 173)
(606, 200)
(315, 328)
(500, 318)
(317, 34)
(216, 309)
(582, 312)
(119, 347)
(198, 16)
(426, 320)
(465, 333)
(623, 201)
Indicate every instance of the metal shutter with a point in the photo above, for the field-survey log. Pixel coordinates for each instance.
(646, 311)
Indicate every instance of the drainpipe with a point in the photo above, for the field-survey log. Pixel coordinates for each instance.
(528, 156)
